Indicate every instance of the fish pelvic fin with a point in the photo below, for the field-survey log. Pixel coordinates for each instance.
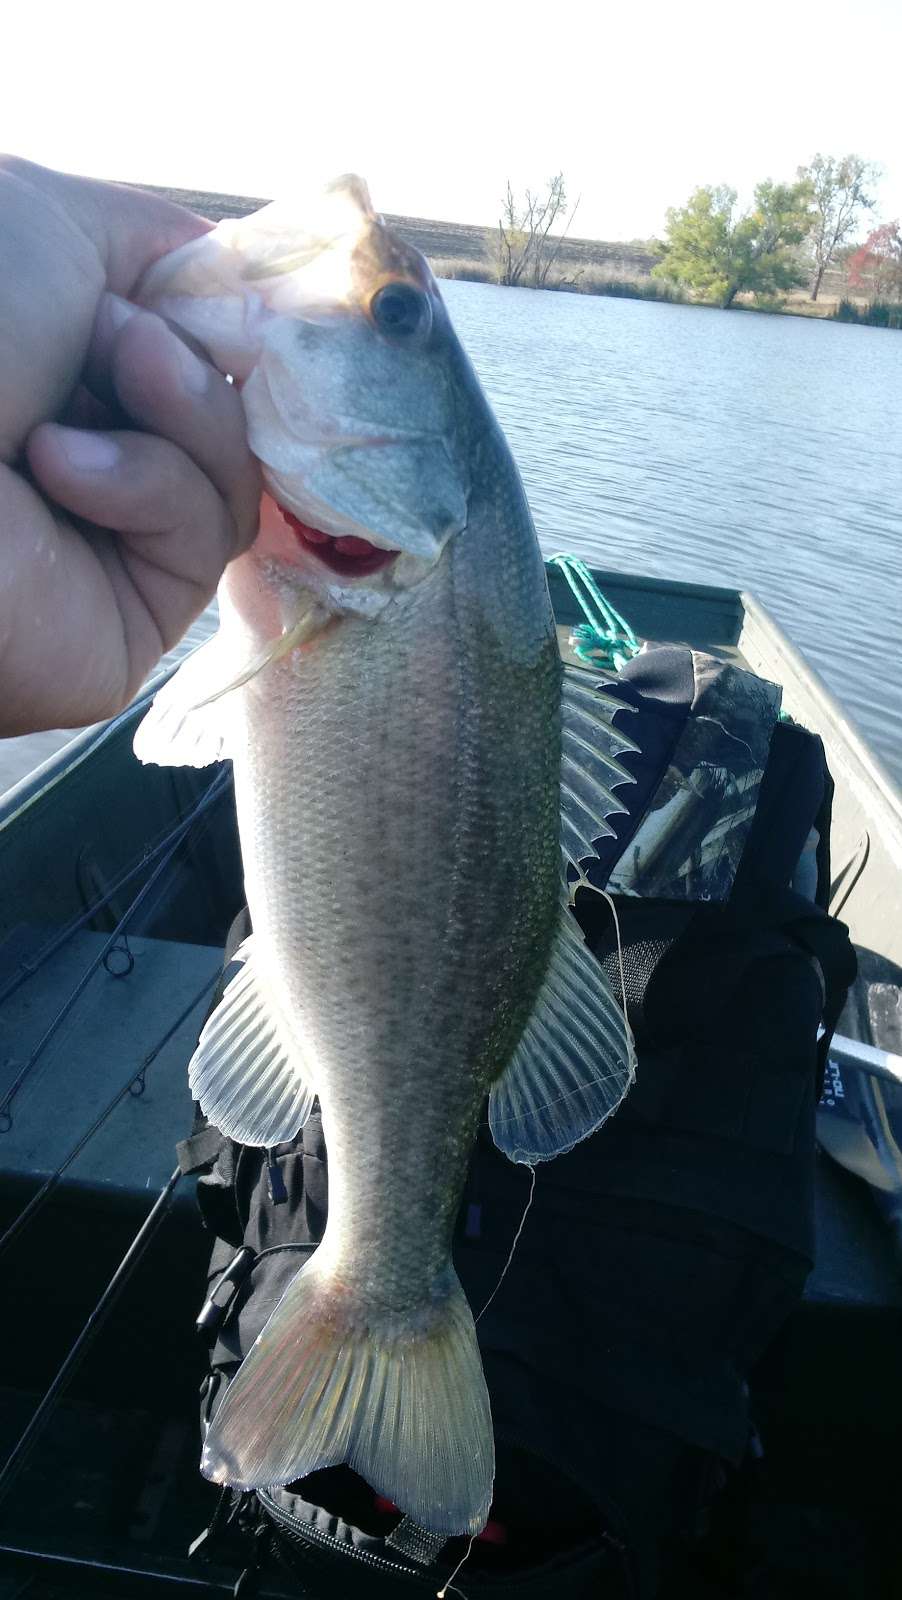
(400, 1398)
(591, 768)
(247, 1072)
(574, 1062)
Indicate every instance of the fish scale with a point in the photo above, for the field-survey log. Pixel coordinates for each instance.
(396, 738)
(405, 832)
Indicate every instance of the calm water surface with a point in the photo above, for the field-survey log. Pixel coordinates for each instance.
(761, 452)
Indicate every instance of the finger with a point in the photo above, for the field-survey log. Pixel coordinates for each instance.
(139, 227)
(128, 227)
(172, 392)
(174, 532)
(63, 241)
(113, 312)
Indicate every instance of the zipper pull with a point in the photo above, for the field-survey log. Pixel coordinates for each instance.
(278, 1193)
(223, 1293)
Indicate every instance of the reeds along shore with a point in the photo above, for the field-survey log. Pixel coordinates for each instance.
(582, 266)
(836, 308)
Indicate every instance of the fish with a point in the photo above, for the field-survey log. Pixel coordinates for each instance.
(417, 776)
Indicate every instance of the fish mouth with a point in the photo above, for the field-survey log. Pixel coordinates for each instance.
(346, 555)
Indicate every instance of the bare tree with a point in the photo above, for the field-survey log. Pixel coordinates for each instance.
(839, 191)
(526, 249)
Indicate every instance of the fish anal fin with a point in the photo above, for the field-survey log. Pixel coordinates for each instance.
(400, 1399)
(574, 1062)
(246, 1072)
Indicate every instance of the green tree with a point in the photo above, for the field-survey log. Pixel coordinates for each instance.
(839, 192)
(719, 254)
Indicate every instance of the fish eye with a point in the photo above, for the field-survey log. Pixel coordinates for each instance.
(400, 311)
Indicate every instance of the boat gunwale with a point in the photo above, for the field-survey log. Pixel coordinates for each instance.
(841, 724)
(736, 609)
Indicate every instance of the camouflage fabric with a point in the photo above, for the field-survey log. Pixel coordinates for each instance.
(689, 843)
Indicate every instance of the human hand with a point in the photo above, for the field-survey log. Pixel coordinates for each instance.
(126, 482)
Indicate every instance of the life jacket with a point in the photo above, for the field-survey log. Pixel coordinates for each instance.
(660, 1256)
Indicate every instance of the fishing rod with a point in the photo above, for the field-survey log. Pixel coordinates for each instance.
(64, 1567)
(32, 964)
(22, 1450)
(42, 1195)
(143, 894)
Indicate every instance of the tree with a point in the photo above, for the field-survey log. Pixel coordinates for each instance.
(526, 252)
(839, 188)
(877, 264)
(719, 254)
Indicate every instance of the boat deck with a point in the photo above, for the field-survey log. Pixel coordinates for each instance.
(117, 1473)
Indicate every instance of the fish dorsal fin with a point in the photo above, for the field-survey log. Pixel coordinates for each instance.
(574, 1063)
(247, 1072)
(590, 768)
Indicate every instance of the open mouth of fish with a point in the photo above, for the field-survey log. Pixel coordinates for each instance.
(347, 555)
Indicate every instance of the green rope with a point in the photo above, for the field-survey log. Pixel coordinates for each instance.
(605, 639)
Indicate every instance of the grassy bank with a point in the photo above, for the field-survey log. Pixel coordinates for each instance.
(586, 283)
(878, 314)
(582, 266)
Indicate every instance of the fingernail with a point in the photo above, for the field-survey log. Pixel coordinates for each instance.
(89, 452)
(193, 372)
(119, 311)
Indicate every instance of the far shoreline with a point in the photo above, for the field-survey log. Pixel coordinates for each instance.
(635, 292)
(464, 252)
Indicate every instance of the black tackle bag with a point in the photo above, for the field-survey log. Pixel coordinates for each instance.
(660, 1256)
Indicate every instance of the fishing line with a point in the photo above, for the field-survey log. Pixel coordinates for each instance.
(631, 1056)
(31, 964)
(627, 1030)
(143, 894)
(22, 1450)
(440, 1593)
(504, 1270)
(42, 1195)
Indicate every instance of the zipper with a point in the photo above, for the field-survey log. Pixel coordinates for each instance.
(303, 1533)
(292, 1526)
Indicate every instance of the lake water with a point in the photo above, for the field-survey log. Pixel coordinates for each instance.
(760, 452)
(756, 451)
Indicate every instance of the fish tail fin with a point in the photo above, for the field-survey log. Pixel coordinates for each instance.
(400, 1398)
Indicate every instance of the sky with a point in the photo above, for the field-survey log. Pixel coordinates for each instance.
(439, 106)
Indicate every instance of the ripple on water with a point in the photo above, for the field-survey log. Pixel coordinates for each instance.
(761, 452)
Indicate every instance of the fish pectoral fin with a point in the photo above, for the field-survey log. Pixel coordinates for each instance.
(574, 1063)
(590, 766)
(246, 1072)
(182, 729)
(187, 726)
(401, 1398)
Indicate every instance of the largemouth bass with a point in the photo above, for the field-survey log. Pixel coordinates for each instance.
(409, 756)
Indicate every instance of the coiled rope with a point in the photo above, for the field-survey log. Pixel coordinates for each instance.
(605, 639)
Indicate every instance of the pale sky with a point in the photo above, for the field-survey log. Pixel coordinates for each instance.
(438, 105)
